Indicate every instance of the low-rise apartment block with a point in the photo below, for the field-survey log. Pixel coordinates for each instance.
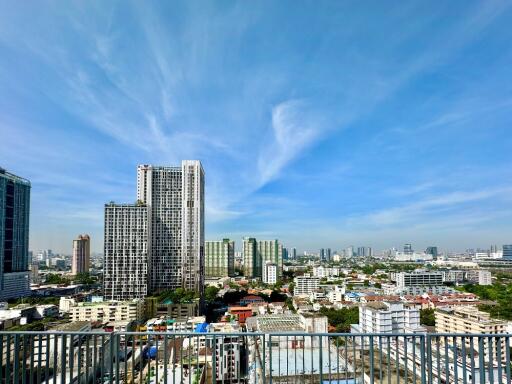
(472, 321)
(418, 278)
(387, 317)
(324, 272)
(108, 311)
(306, 284)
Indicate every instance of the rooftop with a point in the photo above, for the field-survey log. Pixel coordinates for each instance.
(235, 308)
(12, 177)
(377, 305)
(471, 313)
(106, 303)
(75, 326)
(279, 323)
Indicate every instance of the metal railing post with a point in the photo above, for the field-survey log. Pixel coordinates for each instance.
(270, 357)
(263, 357)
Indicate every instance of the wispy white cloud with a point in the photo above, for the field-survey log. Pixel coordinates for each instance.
(295, 127)
(438, 207)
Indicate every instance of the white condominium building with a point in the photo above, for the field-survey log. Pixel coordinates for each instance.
(387, 317)
(475, 276)
(227, 350)
(479, 276)
(321, 271)
(108, 311)
(420, 290)
(269, 273)
(419, 278)
(125, 261)
(306, 284)
(175, 200)
(219, 258)
(337, 294)
(157, 243)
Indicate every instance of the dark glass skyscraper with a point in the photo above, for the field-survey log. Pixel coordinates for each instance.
(507, 252)
(432, 251)
(14, 224)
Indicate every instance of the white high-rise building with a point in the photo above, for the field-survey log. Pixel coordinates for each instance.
(125, 262)
(175, 200)
(157, 243)
(269, 273)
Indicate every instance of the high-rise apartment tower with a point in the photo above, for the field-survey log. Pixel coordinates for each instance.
(175, 200)
(257, 253)
(161, 236)
(125, 261)
(219, 258)
(81, 254)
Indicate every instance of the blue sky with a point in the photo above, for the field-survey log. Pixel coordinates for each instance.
(322, 123)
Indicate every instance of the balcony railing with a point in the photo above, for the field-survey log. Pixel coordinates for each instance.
(205, 358)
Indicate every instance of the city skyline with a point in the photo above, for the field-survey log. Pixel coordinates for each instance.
(323, 136)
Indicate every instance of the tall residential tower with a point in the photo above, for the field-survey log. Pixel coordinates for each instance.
(219, 258)
(175, 200)
(171, 201)
(125, 260)
(81, 254)
(257, 253)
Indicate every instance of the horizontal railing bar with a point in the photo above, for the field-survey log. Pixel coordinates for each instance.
(105, 333)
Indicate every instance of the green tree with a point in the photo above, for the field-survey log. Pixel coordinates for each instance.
(342, 318)
(499, 295)
(84, 278)
(178, 296)
(210, 294)
(369, 269)
(53, 278)
(427, 317)
(289, 303)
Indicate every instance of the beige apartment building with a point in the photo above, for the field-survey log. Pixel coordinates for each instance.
(81, 254)
(107, 311)
(470, 320)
